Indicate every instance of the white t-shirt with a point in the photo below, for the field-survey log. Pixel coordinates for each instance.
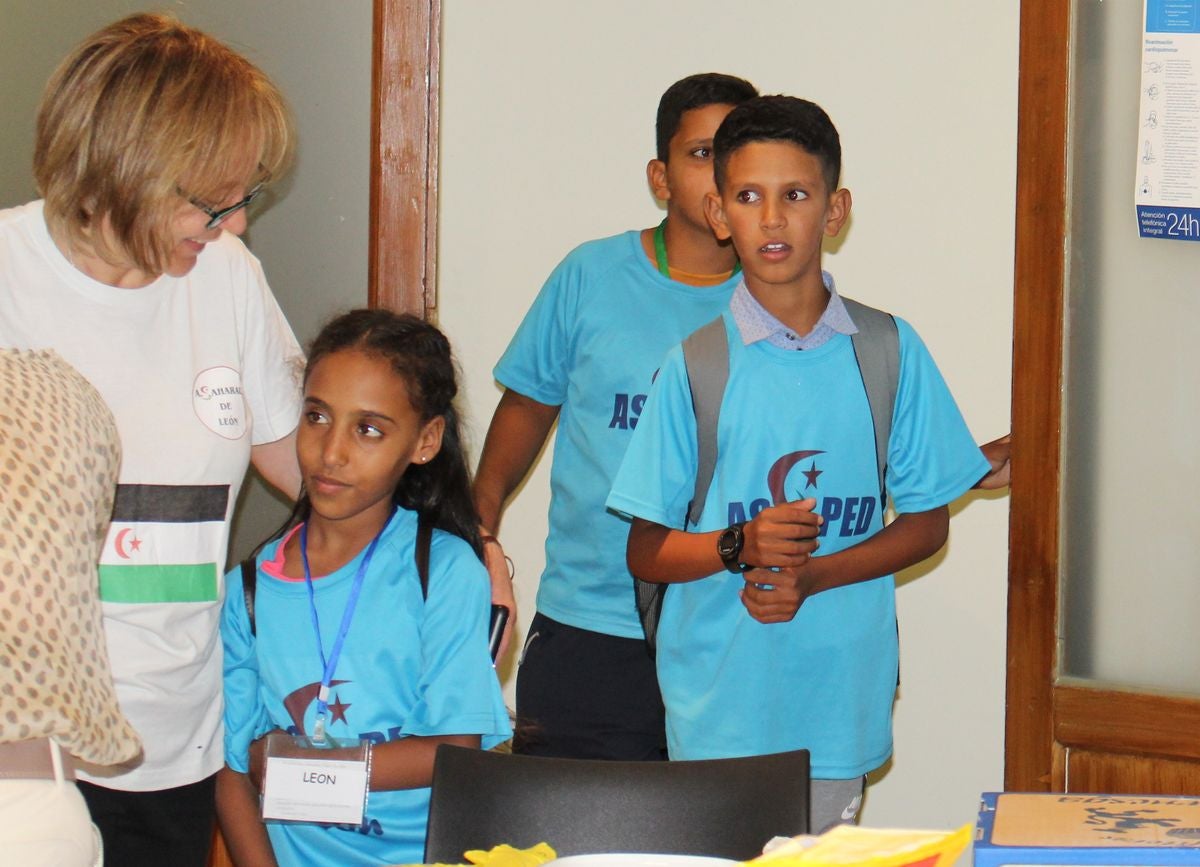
(196, 369)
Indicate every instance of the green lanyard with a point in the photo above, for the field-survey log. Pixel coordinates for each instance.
(660, 252)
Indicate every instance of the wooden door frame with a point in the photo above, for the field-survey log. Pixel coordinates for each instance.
(405, 65)
(1042, 105)
(1046, 715)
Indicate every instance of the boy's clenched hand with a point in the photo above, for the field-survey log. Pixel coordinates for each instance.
(782, 535)
(775, 596)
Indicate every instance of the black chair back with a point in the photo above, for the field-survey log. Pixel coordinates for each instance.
(722, 807)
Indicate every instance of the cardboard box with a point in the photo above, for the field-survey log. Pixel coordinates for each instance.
(1052, 828)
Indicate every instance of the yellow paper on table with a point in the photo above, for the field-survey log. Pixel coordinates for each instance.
(506, 856)
(871, 847)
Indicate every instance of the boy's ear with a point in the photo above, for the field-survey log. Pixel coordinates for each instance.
(656, 175)
(714, 210)
(838, 212)
(429, 441)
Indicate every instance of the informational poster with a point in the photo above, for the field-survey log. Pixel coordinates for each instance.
(1168, 161)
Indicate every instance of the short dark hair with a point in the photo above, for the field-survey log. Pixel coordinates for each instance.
(696, 91)
(780, 118)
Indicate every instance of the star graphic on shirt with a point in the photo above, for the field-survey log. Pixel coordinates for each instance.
(296, 702)
(782, 468)
(811, 474)
(337, 710)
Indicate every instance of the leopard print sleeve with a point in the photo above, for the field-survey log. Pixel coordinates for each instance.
(59, 456)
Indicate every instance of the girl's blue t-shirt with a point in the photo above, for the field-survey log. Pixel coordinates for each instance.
(592, 343)
(793, 425)
(409, 667)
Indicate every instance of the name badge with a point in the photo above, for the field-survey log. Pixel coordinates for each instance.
(306, 782)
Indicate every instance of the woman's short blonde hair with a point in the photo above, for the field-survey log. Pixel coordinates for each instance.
(140, 111)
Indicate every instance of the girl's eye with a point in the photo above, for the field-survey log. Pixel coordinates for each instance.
(796, 195)
(368, 430)
(702, 153)
(747, 197)
(313, 416)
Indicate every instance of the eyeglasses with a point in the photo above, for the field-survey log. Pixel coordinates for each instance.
(215, 216)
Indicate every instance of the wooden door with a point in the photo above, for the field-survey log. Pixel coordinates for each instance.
(402, 273)
(1063, 733)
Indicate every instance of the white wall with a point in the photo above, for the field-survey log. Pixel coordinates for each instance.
(547, 123)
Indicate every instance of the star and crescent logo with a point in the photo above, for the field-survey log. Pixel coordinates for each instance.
(777, 476)
(797, 476)
(126, 543)
(296, 704)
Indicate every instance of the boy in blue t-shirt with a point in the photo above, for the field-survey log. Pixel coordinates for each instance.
(585, 355)
(760, 648)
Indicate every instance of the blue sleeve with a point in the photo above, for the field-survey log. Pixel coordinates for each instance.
(459, 692)
(246, 716)
(657, 477)
(932, 457)
(537, 361)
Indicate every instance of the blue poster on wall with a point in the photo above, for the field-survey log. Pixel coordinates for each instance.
(1167, 186)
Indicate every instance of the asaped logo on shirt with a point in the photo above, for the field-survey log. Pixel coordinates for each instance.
(627, 408)
(844, 516)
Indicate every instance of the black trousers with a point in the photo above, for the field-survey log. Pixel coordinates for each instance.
(587, 695)
(168, 827)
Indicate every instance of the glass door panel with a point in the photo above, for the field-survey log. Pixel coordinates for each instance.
(1131, 440)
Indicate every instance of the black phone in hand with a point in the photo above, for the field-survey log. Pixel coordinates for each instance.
(496, 626)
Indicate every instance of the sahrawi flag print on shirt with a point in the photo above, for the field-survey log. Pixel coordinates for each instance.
(163, 544)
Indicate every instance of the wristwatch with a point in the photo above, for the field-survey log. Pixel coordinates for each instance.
(729, 546)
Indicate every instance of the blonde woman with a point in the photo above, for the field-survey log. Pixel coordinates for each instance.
(152, 141)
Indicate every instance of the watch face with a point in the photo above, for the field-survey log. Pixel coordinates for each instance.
(729, 543)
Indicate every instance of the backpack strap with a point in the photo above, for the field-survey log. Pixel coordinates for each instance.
(249, 586)
(706, 357)
(421, 555)
(877, 349)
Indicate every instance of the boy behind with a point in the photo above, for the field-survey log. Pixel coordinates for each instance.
(754, 662)
(586, 354)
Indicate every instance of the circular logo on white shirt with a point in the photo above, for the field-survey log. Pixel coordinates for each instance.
(217, 400)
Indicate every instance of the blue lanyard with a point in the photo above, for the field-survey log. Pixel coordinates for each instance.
(328, 666)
